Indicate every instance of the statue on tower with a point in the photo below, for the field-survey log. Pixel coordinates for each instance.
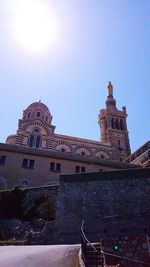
(110, 89)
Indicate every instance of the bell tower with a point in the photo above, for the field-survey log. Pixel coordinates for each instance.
(113, 127)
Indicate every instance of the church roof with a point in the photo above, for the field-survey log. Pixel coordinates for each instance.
(40, 105)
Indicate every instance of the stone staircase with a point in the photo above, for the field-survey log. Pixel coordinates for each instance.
(93, 256)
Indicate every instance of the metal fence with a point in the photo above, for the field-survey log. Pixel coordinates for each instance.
(121, 225)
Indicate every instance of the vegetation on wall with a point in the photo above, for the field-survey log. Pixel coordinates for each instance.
(28, 204)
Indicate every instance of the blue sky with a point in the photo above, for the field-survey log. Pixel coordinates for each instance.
(97, 41)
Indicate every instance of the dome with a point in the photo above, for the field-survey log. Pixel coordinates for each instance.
(37, 110)
(39, 105)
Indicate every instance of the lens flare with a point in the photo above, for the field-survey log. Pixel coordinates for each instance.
(35, 25)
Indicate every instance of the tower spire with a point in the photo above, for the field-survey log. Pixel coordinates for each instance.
(113, 126)
(110, 102)
(110, 89)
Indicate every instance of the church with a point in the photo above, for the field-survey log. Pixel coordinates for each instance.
(36, 155)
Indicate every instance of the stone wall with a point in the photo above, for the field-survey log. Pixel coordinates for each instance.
(98, 198)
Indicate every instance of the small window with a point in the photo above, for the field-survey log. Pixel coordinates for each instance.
(46, 118)
(38, 114)
(55, 167)
(36, 130)
(52, 166)
(31, 163)
(58, 167)
(77, 169)
(24, 163)
(119, 143)
(83, 153)
(102, 156)
(27, 163)
(82, 169)
(63, 150)
(2, 160)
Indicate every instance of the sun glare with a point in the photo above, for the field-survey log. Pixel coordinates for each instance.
(35, 25)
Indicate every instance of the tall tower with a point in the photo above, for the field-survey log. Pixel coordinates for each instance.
(113, 127)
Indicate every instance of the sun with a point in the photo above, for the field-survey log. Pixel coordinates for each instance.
(34, 24)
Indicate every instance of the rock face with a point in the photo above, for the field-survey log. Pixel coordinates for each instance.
(25, 215)
(26, 232)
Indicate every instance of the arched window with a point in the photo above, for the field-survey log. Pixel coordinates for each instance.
(84, 151)
(38, 114)
(117, 124)
(63, 150)
(105, 124)
(34, 141)
(37, 141)
(31, 140)
(36, 130)
(29, 115)
(112, 123)
(121, 124)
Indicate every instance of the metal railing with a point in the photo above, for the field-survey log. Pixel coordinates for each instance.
(93, 255)
(90, 252)
(116, 260)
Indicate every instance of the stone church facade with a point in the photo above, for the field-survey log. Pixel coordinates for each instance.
(37, 156)
(36, 130)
